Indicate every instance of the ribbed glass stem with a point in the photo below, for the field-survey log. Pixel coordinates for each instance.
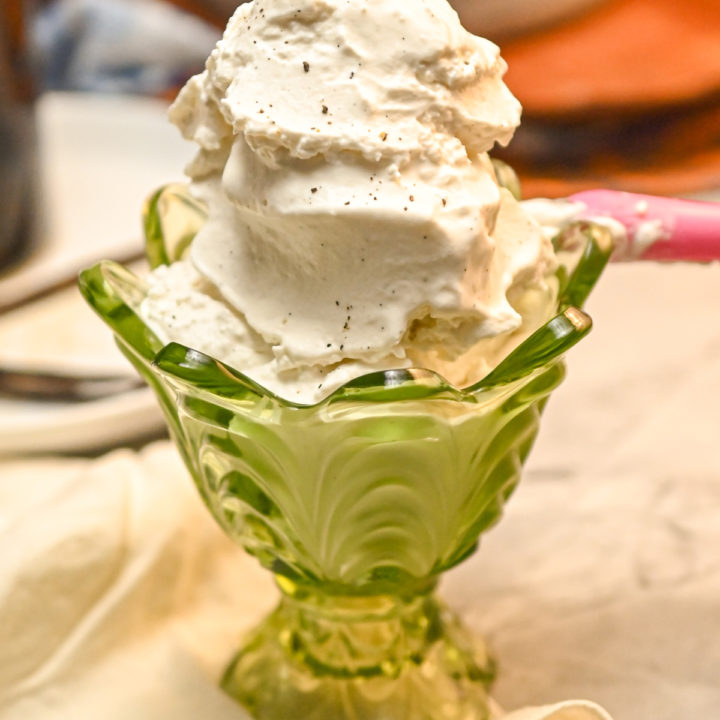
(357, 636)
(326, 656)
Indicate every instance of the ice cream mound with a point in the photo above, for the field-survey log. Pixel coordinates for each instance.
(355, 222)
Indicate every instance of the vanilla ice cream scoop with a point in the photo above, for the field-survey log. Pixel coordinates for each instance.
(355, 221)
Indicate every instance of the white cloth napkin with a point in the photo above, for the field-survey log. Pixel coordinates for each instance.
(120, 598)
(572, 710)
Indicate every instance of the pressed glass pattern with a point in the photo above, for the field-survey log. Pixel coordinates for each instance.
(357, 503)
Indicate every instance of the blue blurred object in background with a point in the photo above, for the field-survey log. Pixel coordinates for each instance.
(131, 46)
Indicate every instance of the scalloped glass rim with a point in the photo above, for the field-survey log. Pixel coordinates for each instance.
(172, 217)
(113, 291)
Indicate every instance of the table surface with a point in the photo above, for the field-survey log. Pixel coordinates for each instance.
(602, 581)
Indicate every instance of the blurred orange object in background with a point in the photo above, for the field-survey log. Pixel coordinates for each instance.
(632, 54)
(626, 95)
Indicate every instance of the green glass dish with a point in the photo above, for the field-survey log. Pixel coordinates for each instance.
(358, 503)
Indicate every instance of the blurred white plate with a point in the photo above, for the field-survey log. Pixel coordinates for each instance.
(31, 427)
(101, 156)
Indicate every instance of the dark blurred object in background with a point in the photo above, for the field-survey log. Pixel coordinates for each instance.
(18, 158)
(216, 12)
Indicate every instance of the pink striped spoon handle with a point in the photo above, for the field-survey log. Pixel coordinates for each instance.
(658, 228)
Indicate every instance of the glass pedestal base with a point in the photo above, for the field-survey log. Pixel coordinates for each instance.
(324, 657)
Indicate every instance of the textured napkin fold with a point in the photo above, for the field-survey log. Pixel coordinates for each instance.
(570, 710)
(120, 598)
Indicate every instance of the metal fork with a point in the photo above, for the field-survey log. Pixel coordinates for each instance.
(20, 383)
(48, 386)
